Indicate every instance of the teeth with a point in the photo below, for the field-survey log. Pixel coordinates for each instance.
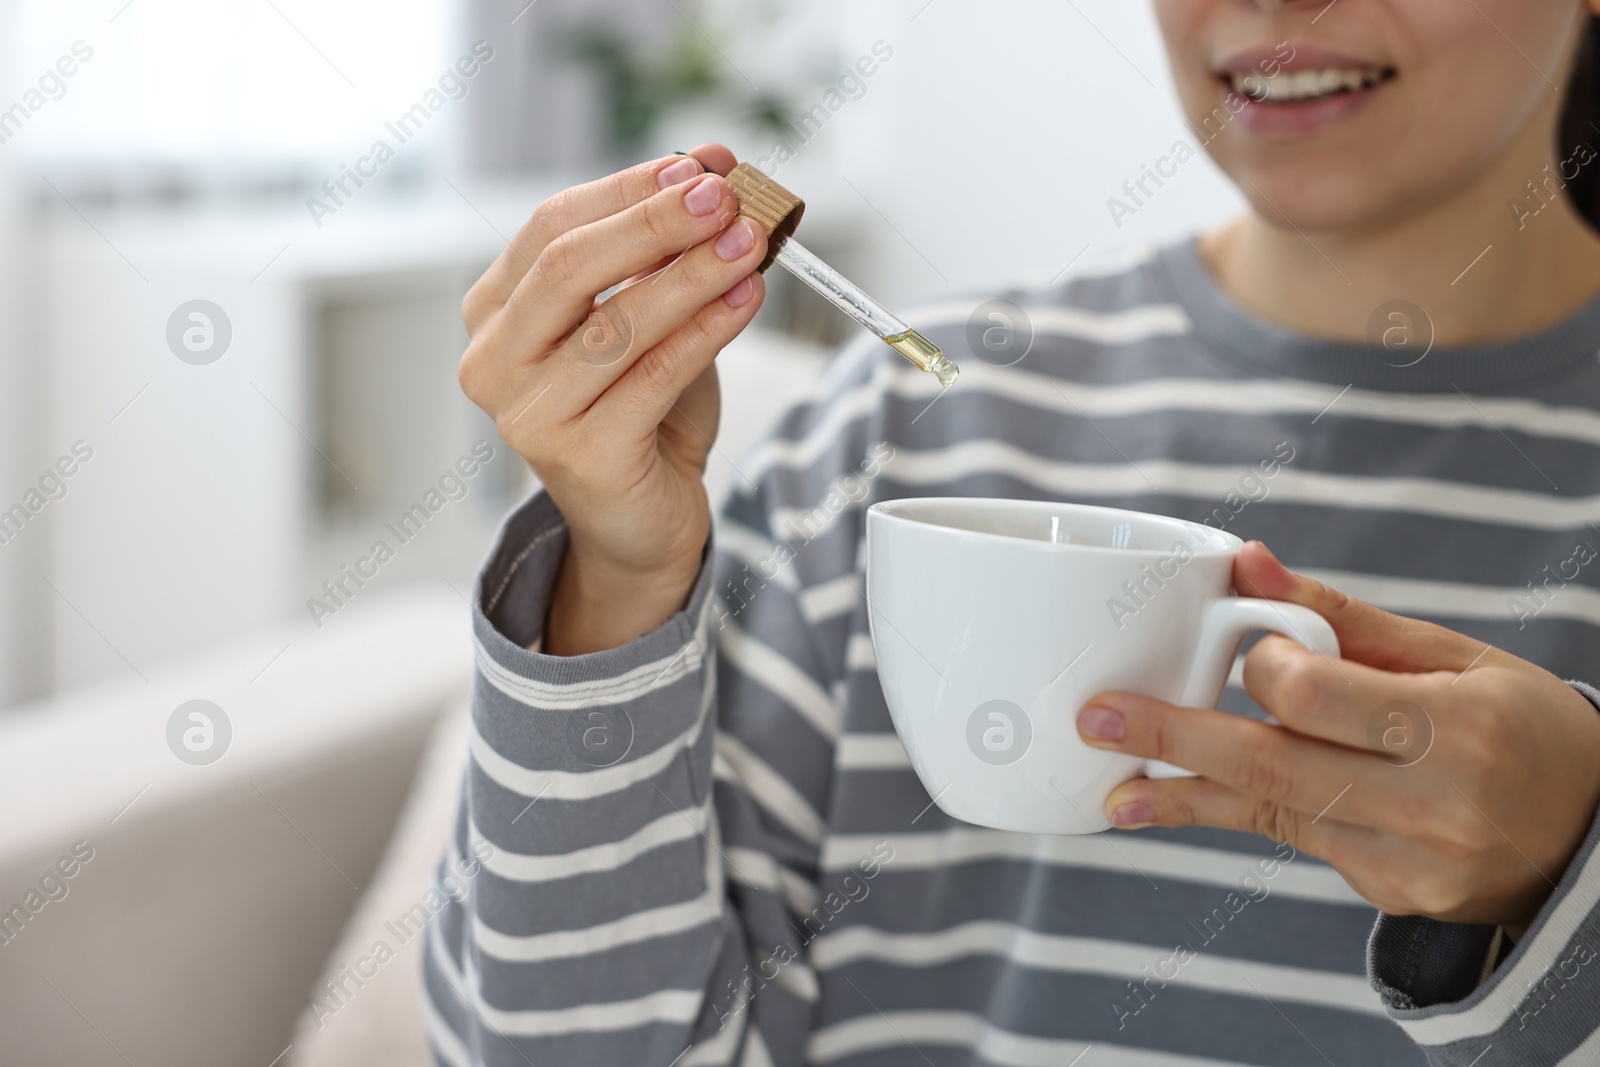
(1304, 84)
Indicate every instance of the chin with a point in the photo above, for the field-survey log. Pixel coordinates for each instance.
(1320, 194)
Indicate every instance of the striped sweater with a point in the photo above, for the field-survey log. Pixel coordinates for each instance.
(708, 846)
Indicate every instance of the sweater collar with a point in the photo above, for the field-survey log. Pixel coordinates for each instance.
(1263, 348)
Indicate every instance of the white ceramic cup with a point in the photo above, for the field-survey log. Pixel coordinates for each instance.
(995, 621)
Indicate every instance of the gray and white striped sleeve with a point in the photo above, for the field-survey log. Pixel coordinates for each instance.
(649, 818)
(1539, 1002)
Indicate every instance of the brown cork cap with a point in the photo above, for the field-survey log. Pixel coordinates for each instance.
(769, 205)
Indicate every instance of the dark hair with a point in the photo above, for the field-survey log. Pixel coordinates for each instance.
(1580, 125)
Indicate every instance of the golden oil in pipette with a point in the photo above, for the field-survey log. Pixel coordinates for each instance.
(926, 355)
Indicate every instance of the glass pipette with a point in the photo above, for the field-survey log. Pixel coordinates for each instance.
(845, 295)
(777, 211)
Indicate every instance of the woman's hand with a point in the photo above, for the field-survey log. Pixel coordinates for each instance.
(614, 403)
(1440, 776)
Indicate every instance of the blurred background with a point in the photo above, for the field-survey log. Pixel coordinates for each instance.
(234, 237)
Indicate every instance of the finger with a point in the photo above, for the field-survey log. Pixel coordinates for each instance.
(658, 265)
(1141, 802)
(559, 291)
(566, 211)
(1367, 634)
(1333, 699)
(1261, 761)
(715, 158)
(1396, 875)
(651, 387)
(633, 321)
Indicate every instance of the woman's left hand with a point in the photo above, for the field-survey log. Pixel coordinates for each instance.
(1439, 775)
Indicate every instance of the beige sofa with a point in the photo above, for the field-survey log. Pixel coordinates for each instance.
(367, 1011)
(211, 893)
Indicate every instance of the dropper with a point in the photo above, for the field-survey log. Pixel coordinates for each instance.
(777, 211)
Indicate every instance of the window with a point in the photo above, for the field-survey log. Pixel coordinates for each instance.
(214, 82)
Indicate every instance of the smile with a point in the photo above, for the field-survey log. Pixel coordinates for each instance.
(1301, 86)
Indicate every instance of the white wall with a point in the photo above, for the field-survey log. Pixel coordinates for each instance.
(198, 519)
(183, 528)
(23, 647)
(15, 456)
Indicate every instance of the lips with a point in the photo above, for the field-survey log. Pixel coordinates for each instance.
(1298, 89)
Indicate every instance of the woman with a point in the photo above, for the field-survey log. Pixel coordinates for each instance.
(704, 843)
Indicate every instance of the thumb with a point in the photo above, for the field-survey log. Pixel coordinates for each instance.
(1366, 634)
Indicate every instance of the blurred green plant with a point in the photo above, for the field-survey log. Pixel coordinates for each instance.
(643, 82)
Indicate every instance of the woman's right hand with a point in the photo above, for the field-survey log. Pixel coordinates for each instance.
(614, 403)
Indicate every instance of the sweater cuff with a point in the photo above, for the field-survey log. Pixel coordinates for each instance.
(1538, 1006)
(511, 601)
(1590, 693)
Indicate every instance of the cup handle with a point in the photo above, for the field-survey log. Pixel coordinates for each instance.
(1222, 629)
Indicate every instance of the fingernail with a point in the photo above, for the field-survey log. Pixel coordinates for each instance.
(1269, 554)
(1101, 723)
(739, 239)
(679, 172)
(741, 293)
(1138, 813)
(703, 198)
